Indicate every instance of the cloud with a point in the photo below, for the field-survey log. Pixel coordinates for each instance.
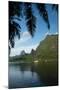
(24, 37)
(46, 34)
(56, 33)
(27, 49)
(26, 33)
(23, 44)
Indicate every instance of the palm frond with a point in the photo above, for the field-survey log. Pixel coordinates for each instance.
(43, 12)
(15, 18)
(15, 8)
(30, 18)
(14, 30)
(55, 7)
(16, 25)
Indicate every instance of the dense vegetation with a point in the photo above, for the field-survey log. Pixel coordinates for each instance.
(47, 50)
(18, 10)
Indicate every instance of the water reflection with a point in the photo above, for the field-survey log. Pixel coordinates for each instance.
(22, 75)
(31, 75)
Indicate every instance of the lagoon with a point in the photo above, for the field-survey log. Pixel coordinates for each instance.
(23, 75)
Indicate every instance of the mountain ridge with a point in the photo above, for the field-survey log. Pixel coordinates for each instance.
(47, 49)
(48, 46)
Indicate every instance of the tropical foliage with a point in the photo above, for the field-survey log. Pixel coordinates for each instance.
(17, 10)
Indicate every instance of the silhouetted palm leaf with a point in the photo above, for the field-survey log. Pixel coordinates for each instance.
(55, 7)
(30, 18)
(43, 12)
(15, 12)
(14, 27)
(15, 8)
(14, 30)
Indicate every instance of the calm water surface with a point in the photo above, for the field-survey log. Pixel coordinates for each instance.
(29, 75)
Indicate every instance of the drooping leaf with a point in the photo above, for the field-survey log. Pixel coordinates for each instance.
(30, 18)
(15, 8)
(55, 7)
(43, 12)
(14, 30)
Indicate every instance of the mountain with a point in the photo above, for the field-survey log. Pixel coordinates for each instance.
(22, 52)
(48, 48)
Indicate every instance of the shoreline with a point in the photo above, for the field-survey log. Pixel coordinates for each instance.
(18, 62)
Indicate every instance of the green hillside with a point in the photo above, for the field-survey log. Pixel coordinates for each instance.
(48, 48)
(44, 60)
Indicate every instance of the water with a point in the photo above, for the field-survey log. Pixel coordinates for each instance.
(29, 75)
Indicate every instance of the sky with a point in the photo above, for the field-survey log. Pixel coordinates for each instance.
(26, 42)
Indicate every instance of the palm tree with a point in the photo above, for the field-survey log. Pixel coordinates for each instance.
(16, 12)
